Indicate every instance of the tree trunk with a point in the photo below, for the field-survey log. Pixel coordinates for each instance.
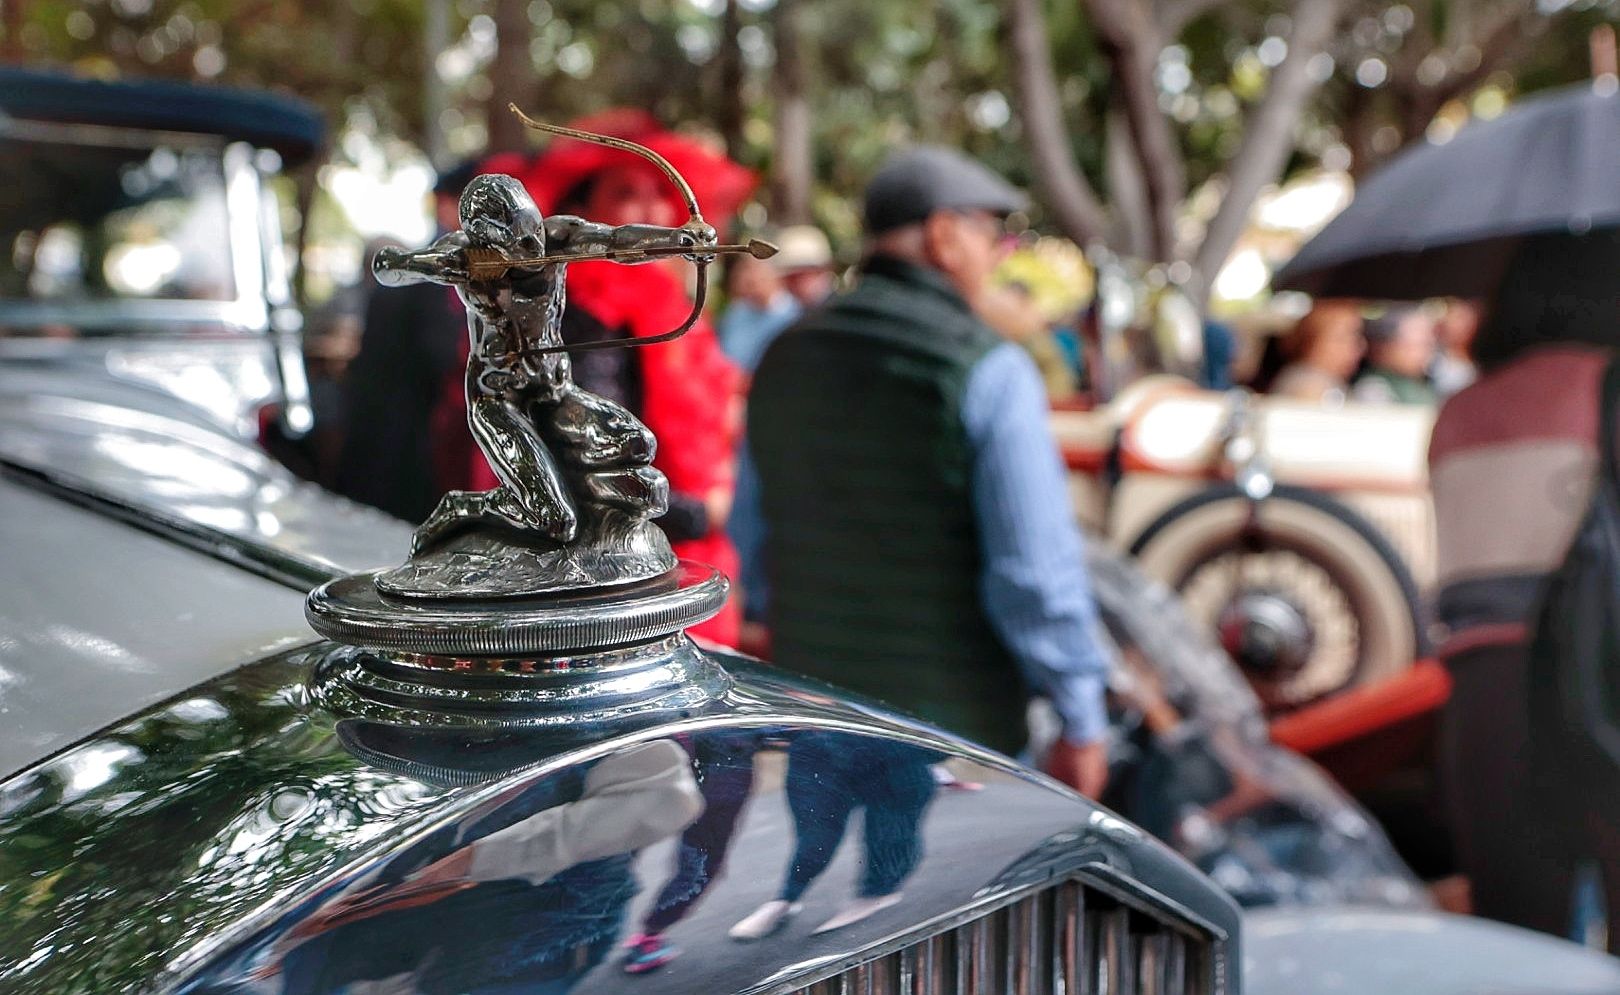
(1062, 187)
(731, 111)
(16, 15)
(1358, 120)
(1127, 190)
(1131, 42)
(792, 175)
(510, 76)
(1268, 138)
(435, 96)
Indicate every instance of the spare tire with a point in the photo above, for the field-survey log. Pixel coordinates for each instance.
(1306, 596)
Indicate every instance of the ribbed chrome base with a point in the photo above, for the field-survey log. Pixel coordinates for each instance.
(351, 610)
(664, 680)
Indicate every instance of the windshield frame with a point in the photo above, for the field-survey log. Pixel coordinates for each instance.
(250, 247)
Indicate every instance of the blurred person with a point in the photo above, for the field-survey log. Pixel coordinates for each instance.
(1515, 466)
(1220, 351)
(410, 342)
(686, 391)
(1319, 355)
(1453, 367)
(758, 308)
(331, 338)
(806, 264)
(921, 546)
(1400, 349)
(1011, 310)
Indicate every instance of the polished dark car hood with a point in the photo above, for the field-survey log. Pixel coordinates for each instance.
(216, 837)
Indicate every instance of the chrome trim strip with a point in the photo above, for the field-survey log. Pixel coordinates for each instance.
(273, 565)
(115, 416)
(125, 313)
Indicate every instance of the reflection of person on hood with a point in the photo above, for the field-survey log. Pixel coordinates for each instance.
(532, 901)
(829, 776)
(725, 765)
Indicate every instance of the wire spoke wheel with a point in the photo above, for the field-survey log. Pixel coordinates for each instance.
(1281, 617)
(1305, 595)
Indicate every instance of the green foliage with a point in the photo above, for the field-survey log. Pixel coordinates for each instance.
(881, 71)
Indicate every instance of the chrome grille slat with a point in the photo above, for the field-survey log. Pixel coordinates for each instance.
(1065, 939)
(1067, 966)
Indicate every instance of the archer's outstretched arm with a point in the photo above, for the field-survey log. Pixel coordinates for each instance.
(445, 261)
(567, 233)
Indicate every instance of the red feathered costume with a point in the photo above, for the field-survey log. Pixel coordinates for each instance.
(691, 393)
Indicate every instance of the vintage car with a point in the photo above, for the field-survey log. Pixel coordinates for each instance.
(143, 249)
(416, 779)
(1303, 535)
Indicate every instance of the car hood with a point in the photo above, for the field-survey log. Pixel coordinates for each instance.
(242, 832)
(146, 552)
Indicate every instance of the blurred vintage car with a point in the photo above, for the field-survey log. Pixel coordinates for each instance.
(198, 794)
(1303, 535)
(143, 254)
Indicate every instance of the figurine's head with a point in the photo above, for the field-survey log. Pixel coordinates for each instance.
(497, 212)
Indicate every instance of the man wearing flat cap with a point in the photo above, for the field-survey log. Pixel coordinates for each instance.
(921, 545)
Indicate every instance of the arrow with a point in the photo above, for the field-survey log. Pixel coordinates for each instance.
(488, 264)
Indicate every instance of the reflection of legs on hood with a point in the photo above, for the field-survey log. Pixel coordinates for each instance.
(895, 805)
(701, 856)
(699, 859)
(765, 920)
(725, 764)
(821, 807)
(857, 909)
(893, 828)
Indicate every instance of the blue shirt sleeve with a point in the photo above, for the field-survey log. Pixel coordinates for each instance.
(1034, 586)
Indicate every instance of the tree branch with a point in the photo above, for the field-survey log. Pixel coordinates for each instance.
(509, 76)
(1172, 15)
(794, 174)
(1498, 43)
(1131, 44)
(1267, 138)
(1062, 186)
(731, 112)
(1127, 190)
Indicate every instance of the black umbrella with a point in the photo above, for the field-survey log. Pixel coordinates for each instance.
(1443, 220)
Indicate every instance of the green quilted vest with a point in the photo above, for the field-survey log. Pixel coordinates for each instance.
(855, 425)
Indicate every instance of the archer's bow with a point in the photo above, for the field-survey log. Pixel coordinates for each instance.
(694, 222)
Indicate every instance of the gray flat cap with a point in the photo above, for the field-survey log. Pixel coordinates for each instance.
(918, 181)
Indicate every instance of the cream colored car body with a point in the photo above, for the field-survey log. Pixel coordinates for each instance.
(1163, 441)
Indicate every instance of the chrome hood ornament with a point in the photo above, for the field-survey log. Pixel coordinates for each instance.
(562, 556)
